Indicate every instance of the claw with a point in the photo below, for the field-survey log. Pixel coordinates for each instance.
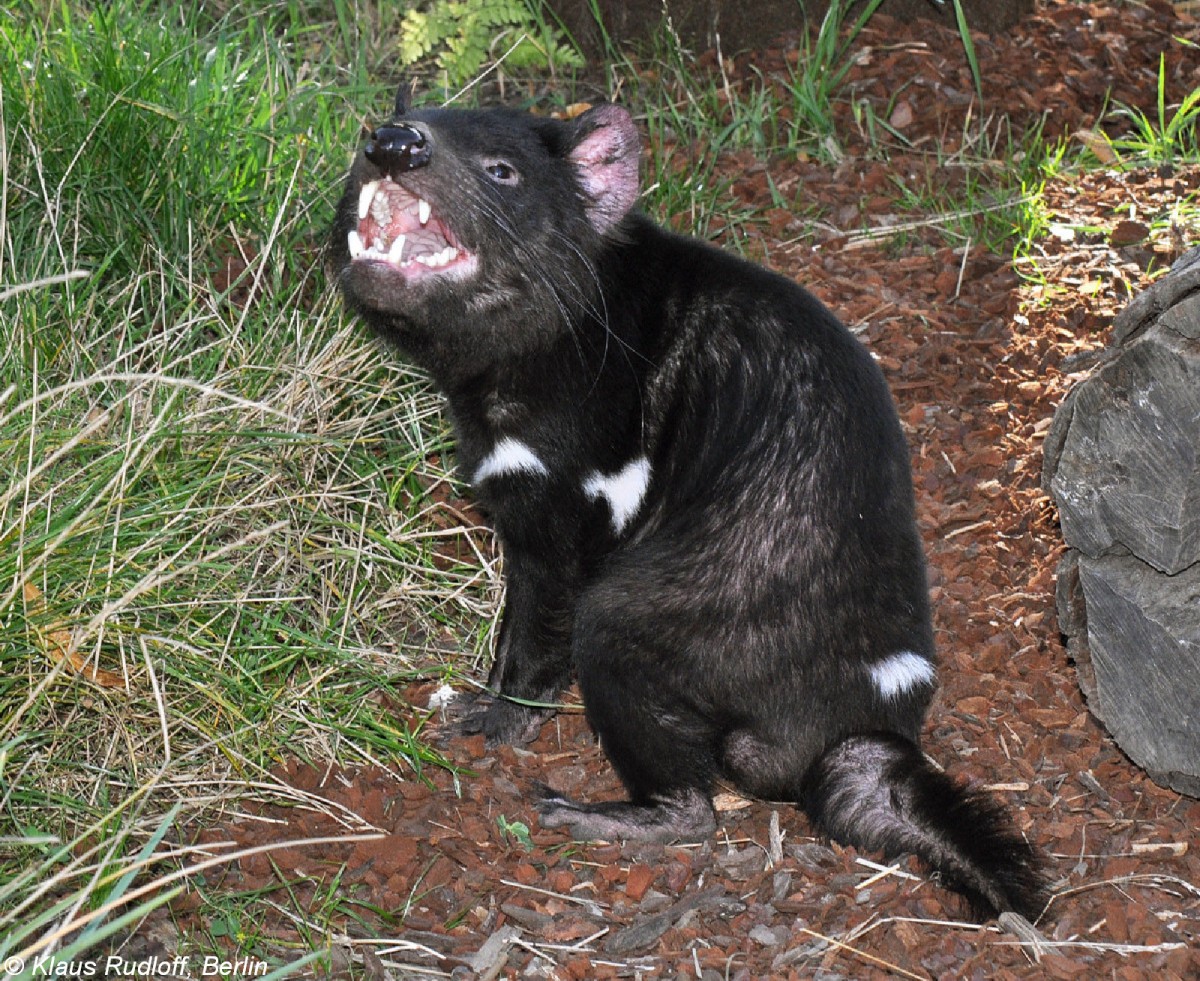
(502, 722)
(687, 816)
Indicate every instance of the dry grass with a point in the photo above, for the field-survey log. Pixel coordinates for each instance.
(216, 541)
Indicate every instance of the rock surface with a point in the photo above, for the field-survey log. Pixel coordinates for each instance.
(1127, 475)
(1122, 462)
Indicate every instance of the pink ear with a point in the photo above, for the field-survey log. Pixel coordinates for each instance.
(606, 164)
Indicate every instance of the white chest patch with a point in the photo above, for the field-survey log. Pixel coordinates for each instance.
(900, 672)
(509, 456)
(623, 490)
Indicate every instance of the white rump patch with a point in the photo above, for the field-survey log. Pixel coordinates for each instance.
(898, 673)
(623, 490)
(510, 456)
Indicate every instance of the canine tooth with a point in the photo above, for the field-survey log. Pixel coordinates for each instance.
(355, 243)
(423, 210)
(397, 248)
(364, 198)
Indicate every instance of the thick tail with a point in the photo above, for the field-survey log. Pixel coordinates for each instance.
(878, 792)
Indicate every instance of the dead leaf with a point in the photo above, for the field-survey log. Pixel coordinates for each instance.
(59, 645)
(902, 115)
(1098, 143)
(573, 110)
(730, 802)
(1128, 233)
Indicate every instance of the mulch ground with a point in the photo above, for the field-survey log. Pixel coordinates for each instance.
(978, 356)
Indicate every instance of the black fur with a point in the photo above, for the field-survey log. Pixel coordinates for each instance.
(700, 484)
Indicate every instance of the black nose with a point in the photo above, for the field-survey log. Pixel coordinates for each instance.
(397, 148)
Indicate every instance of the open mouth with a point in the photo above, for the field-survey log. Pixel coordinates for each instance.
(400, 228)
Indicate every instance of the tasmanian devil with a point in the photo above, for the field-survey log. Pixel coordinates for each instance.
(699, 482)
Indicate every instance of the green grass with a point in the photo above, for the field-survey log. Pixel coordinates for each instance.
(694, 116)
(816, 80)
(1166, 137)
(212, 491)
(987, 193)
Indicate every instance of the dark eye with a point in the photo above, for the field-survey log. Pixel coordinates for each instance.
(501, 172)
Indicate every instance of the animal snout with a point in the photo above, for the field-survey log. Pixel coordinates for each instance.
(398, 148)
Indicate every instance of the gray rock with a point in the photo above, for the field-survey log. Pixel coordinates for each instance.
(1143, 638)
(1146, 308)
(1122, 462)
(1128, 469)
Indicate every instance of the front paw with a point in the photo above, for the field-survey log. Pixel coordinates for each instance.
(502, 722)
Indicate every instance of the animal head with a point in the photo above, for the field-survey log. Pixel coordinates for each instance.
(482, 226)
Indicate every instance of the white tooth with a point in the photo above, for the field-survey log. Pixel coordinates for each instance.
(395, 251)
(381, 209)
(425, 260)
(355, 243)
(423, 210)
(364, 198)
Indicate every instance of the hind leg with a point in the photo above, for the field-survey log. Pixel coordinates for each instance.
(662, 749)
(686, 815)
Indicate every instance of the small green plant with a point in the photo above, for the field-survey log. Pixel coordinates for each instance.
(818, 76)
(518, 831)
(824, 62)
(464, 35)
(966, 197)
(1032, 219)
(1166, 140)
(964, 33)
